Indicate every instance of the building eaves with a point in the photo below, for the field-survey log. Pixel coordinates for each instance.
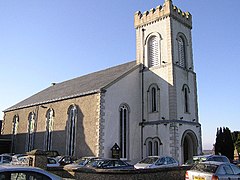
(52, 100)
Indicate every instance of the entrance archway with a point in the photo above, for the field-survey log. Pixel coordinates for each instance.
(189, 145)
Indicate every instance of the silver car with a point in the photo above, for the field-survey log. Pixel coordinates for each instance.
(80, 162)
(156, 162)
(203, 158)
(25, 173)
(212, 170)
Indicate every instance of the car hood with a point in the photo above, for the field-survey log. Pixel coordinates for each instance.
(73, 166)
(141, 165)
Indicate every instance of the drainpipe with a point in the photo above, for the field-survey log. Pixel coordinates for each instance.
(142, 84)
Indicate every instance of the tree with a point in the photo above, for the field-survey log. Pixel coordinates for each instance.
(218, 141)
(236, 140)
(237, 143)
(224, 143)
(229, 145)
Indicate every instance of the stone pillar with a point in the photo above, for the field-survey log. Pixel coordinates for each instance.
(37, 158)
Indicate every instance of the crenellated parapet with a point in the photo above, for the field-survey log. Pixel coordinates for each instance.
(160, 12)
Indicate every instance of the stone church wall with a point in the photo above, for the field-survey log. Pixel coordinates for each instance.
(87, 125)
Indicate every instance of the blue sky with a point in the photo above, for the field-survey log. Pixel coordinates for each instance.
(45, 41)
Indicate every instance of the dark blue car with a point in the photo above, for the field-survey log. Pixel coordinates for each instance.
(110, 164)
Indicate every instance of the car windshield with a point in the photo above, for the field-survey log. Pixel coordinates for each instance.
(81, 161)
(210, 168)
(149, 160)
(98, 163)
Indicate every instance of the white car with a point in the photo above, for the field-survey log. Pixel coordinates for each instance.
(24, 161)
(213, 170)
(156, 162)
(16, 158)
(25, 173)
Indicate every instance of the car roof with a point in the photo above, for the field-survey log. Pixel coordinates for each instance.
(210, 155)
(214, 162)
(89, 157)
(10, 167)
(154, 156)
(5, 155)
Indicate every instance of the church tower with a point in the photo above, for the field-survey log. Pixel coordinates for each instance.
(170, 124)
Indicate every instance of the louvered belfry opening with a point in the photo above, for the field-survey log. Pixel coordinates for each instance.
(181, 52)
(153, 51)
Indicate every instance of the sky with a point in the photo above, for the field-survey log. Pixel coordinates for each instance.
(46, 41)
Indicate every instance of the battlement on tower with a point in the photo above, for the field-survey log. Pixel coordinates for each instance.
(160, 12)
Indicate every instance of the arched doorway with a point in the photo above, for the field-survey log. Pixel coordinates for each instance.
(189, 145)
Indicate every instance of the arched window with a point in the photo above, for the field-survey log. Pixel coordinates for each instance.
(150, 148)
(124, 130)
(153, 95)
(15, 125)
(71, 130)
(154, 99)
(49, 129)
(186, 92)
(156, 148)
(31, 131)
(153, 146)
(153, 51)
(182, 52)
(14, 131)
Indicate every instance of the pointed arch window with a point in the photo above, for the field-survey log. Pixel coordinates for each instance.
(49, 129)
(14, 131)
(182, 52)
(71, 130)
(186, 92)
(31, 131)
(153, 51)
(15, 124)
(124, 130)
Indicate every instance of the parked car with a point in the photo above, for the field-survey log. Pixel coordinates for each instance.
(63, 160)
(16, 157)
(203, 158)
(23, 161)
(100, 163)
(25, 173)
(52, 162)
(236, 162)
(156, 162)
(52, 153)
(80, 162)
(213, 170)
(4, 158)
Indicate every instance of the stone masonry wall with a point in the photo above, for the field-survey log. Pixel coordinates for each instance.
(86, 137)
(176, 173)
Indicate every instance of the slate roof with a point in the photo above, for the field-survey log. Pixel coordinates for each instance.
(84, 85)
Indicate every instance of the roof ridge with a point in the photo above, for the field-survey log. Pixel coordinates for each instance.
(76, 87)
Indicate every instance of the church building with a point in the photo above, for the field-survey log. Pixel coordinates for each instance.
(147, 106)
